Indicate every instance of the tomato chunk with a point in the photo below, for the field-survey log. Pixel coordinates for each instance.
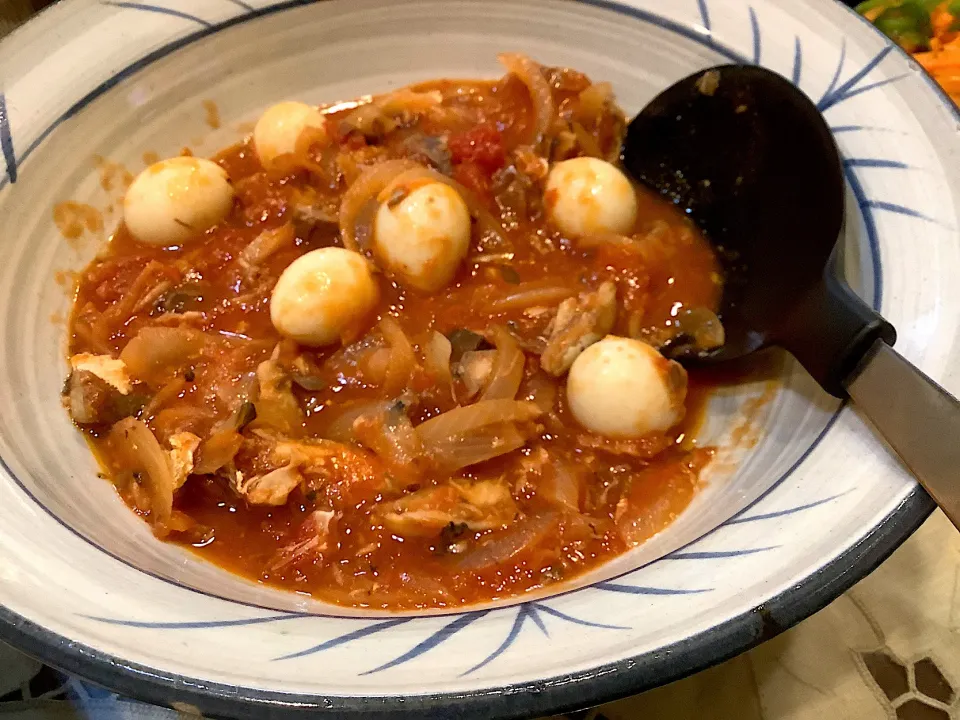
(481, 145)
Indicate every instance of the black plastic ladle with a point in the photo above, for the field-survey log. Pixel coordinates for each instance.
(753, 162)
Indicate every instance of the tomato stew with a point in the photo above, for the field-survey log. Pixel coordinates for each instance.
(430, 456)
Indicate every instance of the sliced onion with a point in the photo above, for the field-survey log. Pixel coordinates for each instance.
(375, 119)
(600, 239)
(364, 190)
(276, 405)
(266, 244)
(595, 99)
(156, 351)
(403, 360)
(588, 144)
(437, 353)
(459, 451)
(462, 421)
(369, 120)
(507, 370)
(544, 108)
(561, 484)
(643, 448)
(228, 384)
(428, 590)
(651, 247)
(500, 547)
(375, 365)
(302, 157)
(341, 426)
(639, 515)
(183, 418)
(355, 357)
(140, 452)
(391, 436)
(531, 295)
(541, 390)
(167, 393)
(217, 450)
(407, 100)
(475, 368)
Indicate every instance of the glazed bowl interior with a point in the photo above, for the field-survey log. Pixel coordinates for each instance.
(321, 53)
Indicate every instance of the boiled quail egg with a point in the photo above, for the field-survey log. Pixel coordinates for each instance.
(323, 294)
(422, 237)
(176, 199)
(278, 129)
(586, 195)
(624, 389)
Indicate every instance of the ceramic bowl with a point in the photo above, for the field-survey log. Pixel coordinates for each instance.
(802, 501)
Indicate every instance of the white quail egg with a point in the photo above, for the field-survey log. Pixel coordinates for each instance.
(176, 199)
(624, 389)
(423, 237)
(323, 294)
(585, 195)
(278, 129)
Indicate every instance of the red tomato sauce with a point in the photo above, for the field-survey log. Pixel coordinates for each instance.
(562, 502)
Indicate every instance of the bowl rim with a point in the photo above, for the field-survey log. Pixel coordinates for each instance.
(548, 695)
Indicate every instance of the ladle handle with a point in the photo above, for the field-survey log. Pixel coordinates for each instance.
(918, 418)
(830, 332)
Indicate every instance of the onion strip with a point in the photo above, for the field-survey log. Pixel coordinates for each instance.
(437, 352)
(529, 295)
(464, 420)
(588, 144)
(595, 99)
(340, 428)
(544, 107)
(507, 370)
(217, 450)
(266, 244)
(599, 239)
(474, 370)
(390, 435)
(459, 451)
(403, 360)
(140, 451)
(155, 351)
(503, 546)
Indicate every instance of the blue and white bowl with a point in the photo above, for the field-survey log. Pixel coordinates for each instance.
(803, 500)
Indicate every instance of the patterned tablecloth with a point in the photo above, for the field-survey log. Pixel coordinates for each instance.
(888, 648)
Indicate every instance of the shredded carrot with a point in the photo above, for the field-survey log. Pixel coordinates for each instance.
(942, 61)
(940, 22)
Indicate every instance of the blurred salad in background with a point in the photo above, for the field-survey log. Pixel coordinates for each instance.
(928, 29)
